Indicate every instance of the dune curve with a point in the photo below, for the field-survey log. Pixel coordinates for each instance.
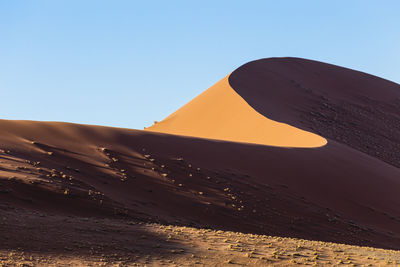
(220, 113)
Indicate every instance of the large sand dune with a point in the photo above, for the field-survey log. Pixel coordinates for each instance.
(345, 190)
(351, 107)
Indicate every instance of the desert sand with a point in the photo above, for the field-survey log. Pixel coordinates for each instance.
(88, 241)
(220, 113)
(327, 172)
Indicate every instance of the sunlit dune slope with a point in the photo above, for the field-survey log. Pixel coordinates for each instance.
(220, 113)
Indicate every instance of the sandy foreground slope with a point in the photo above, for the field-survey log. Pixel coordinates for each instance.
(297, 192)
(86, 194)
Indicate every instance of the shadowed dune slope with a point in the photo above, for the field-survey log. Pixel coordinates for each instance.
(330, 193)
(351, 107)
(220, 113)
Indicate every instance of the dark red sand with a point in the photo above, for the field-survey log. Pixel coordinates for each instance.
(359, 110)
(341, 192)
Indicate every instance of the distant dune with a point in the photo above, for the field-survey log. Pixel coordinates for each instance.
(281, 146)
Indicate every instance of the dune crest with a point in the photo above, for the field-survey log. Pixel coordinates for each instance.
(222, 114)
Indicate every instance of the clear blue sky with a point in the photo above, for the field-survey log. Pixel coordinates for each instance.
(128, 63)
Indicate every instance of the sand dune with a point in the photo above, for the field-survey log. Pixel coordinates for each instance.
(220, 113)
(351, 107)
(331, 193)
(345, 190)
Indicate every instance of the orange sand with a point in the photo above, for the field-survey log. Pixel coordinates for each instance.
(220, 113)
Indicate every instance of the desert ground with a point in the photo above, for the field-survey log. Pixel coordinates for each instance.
(54, 240)
(285, 161)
